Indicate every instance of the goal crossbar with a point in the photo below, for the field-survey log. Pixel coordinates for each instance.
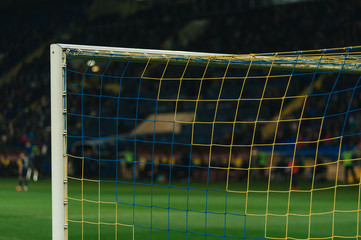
(347, 59)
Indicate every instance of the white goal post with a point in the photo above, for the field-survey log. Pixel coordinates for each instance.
(58, 177)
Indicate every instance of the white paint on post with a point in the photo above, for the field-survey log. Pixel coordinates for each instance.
(57, 142)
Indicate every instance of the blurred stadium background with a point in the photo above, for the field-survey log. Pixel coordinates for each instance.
(228, 26)
(250, 26)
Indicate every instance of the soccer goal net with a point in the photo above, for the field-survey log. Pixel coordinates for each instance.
(151, 144)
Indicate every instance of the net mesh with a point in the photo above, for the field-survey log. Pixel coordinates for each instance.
(215, 147)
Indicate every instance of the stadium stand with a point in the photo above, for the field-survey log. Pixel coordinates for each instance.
(187, 25)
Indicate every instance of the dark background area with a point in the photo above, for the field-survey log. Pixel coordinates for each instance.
(29, 27)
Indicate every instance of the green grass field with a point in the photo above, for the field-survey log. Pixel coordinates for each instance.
(27, 215)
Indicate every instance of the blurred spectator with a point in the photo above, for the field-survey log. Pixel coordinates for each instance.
(347, 160)
(281, 169)
(296, 169)
(5, 167)
(23, 163)
(261, 163)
